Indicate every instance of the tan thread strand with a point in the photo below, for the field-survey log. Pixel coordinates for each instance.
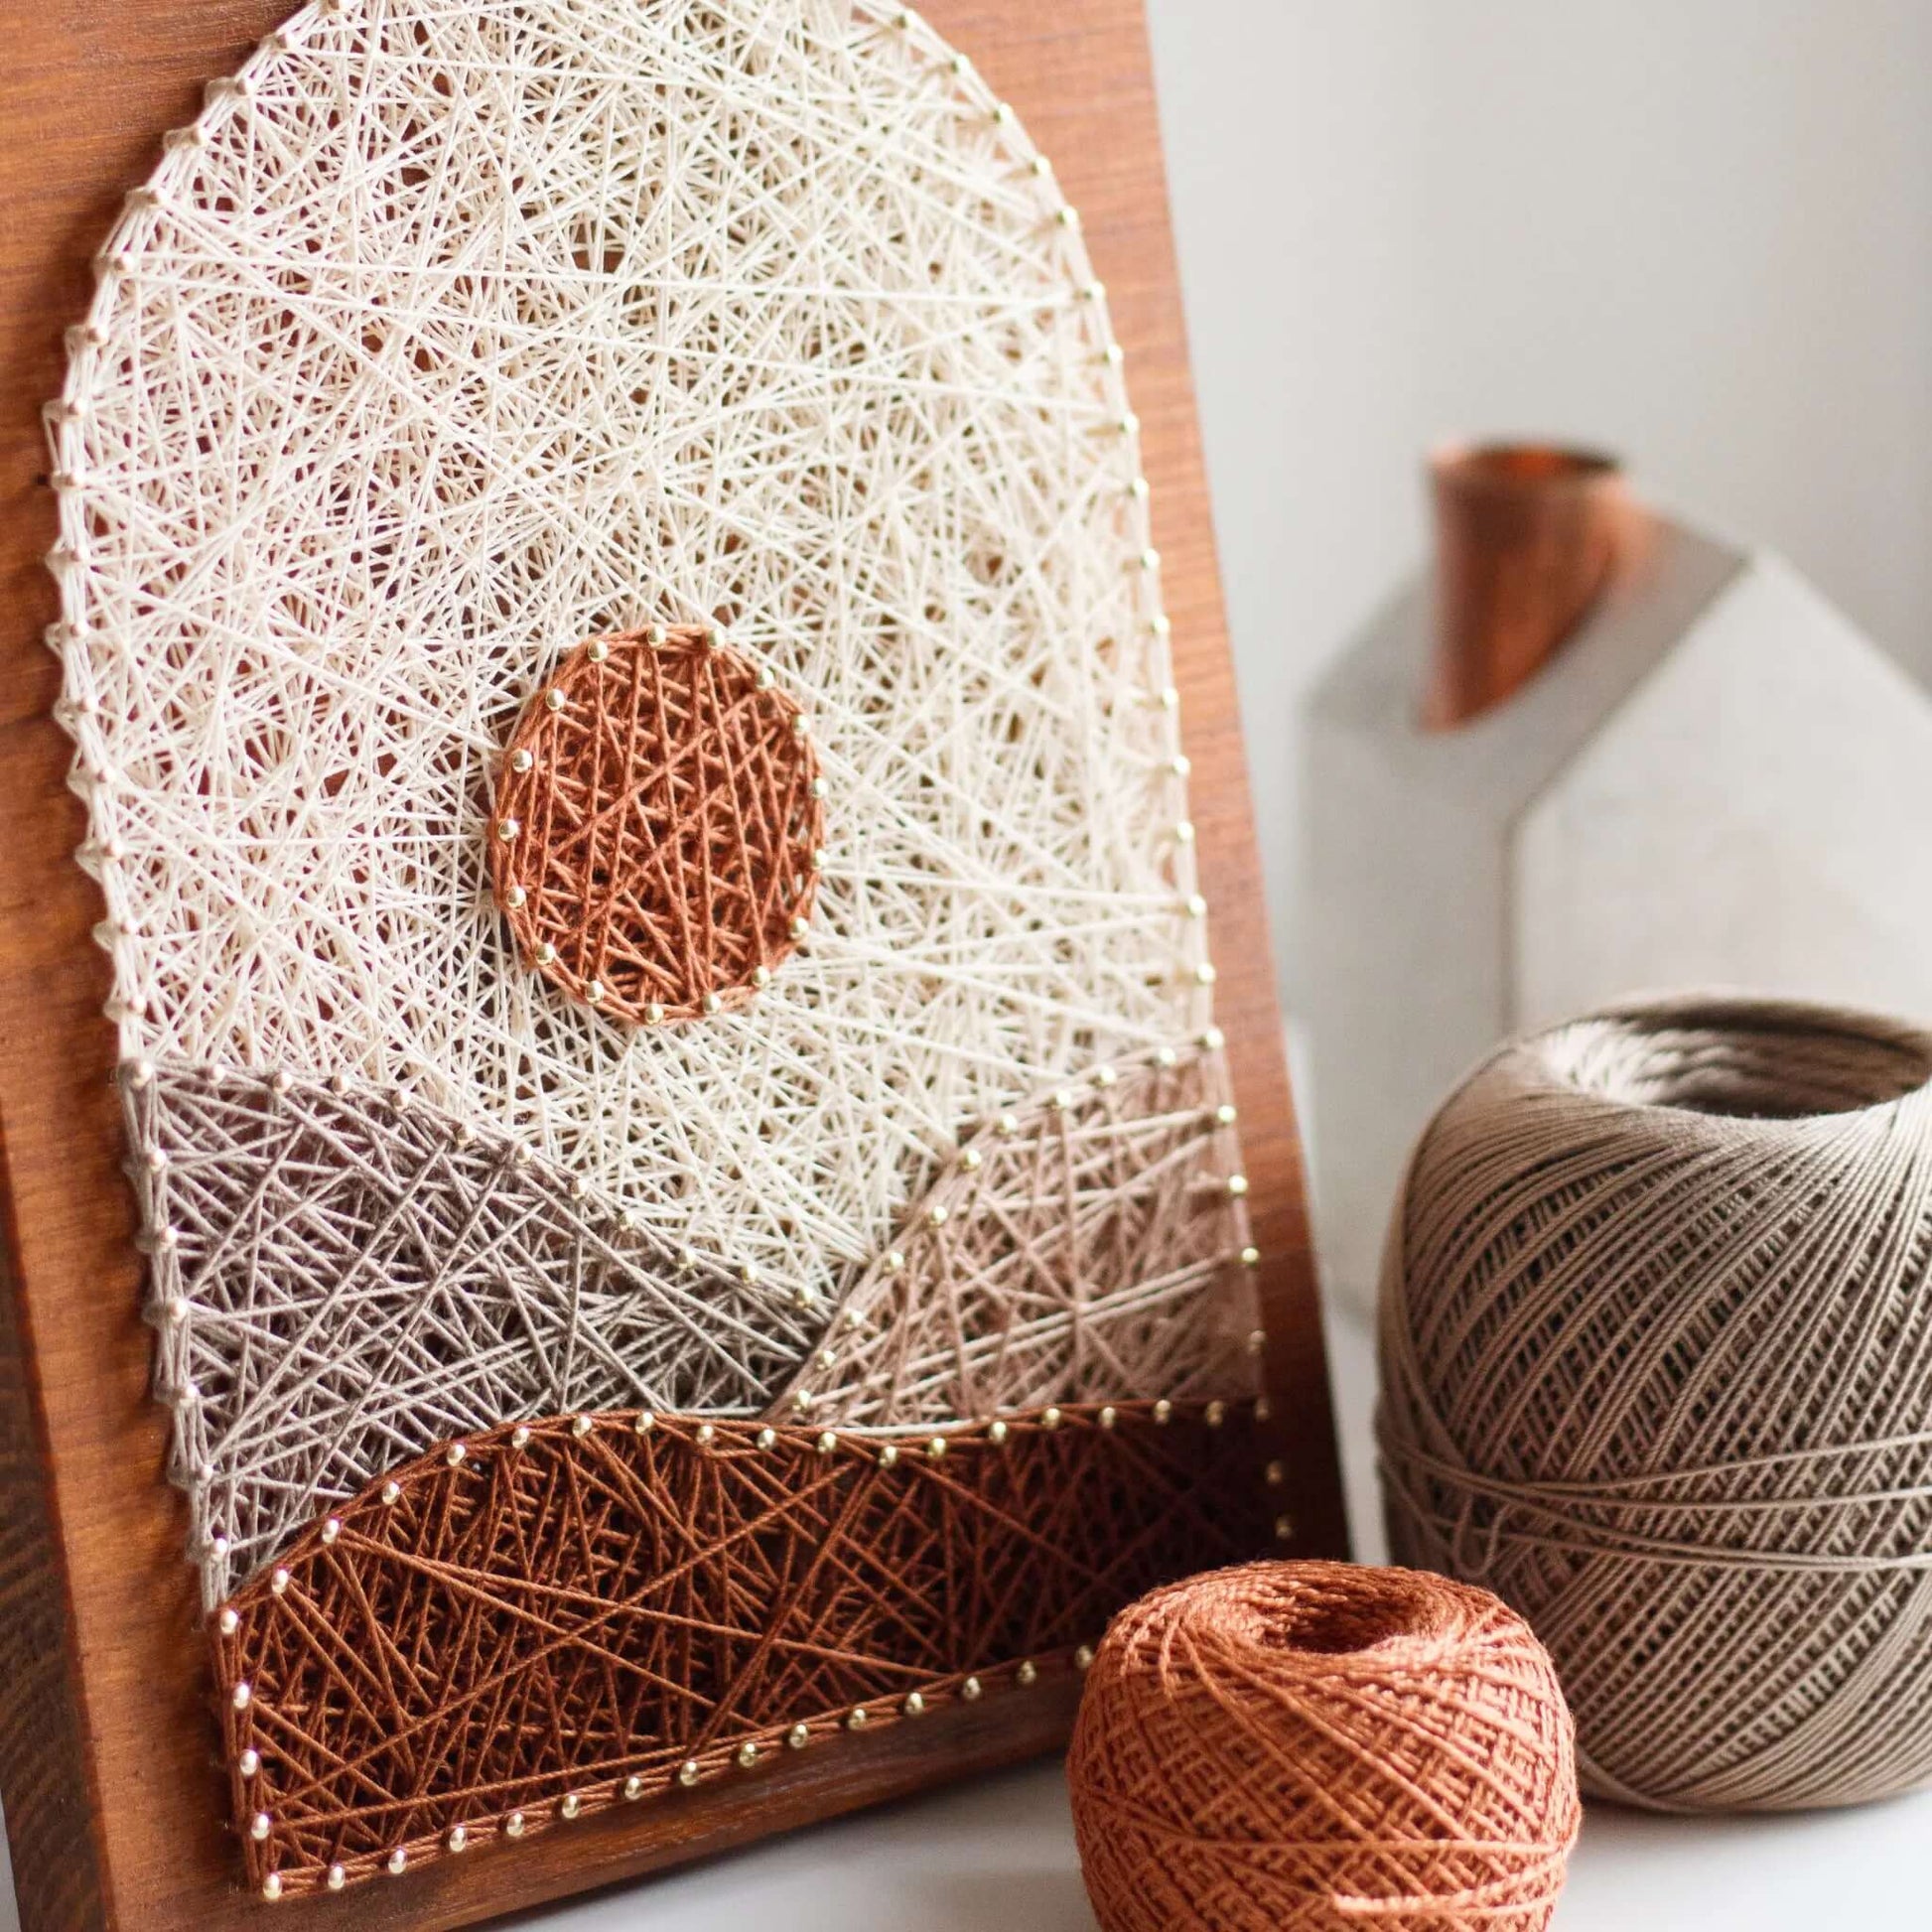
(1657, 1361)
(1090, 1250)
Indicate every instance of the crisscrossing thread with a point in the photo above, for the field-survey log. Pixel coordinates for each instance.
(655, 839)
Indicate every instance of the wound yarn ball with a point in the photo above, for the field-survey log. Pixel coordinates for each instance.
(1289, 1747)
(1656, 1344)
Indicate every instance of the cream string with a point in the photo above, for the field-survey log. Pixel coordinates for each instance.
(449, 338)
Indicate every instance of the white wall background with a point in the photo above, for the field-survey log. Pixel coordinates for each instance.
(1698, 231)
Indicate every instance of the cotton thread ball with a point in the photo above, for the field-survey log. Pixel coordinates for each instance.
(1285, 1746)
(1656, 1362)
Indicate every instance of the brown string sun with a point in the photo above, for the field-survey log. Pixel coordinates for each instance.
(654, 843)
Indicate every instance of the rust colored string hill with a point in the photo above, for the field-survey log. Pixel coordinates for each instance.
(541, 1622)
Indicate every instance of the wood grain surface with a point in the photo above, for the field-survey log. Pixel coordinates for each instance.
(115, 1804)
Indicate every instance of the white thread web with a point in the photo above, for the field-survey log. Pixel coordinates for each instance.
(452, 335)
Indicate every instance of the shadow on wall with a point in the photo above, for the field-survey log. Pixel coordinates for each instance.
(1703, 232)
(1717, 781)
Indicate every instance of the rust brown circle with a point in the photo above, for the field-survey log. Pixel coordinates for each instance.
(656, 825)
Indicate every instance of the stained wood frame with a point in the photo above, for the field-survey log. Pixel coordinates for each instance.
(114, 1798)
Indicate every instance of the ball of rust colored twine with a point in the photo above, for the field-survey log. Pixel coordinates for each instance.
(1657, 1367)
(1289, 1747)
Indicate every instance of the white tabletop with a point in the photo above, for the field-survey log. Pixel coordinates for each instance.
(998, 1855)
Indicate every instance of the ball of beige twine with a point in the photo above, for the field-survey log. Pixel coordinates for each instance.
(1302, 1746)
(1656, 1347)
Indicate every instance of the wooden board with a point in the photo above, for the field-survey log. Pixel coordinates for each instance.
(114, 1800)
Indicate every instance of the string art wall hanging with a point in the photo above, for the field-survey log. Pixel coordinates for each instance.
(694, 1204)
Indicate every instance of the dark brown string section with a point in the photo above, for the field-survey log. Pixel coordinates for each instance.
(655, 842)
(543, 1622)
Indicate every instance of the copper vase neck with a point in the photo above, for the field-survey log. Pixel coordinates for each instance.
(1528, 536)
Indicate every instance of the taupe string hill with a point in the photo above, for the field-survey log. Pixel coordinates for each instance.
(1657, 1367)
